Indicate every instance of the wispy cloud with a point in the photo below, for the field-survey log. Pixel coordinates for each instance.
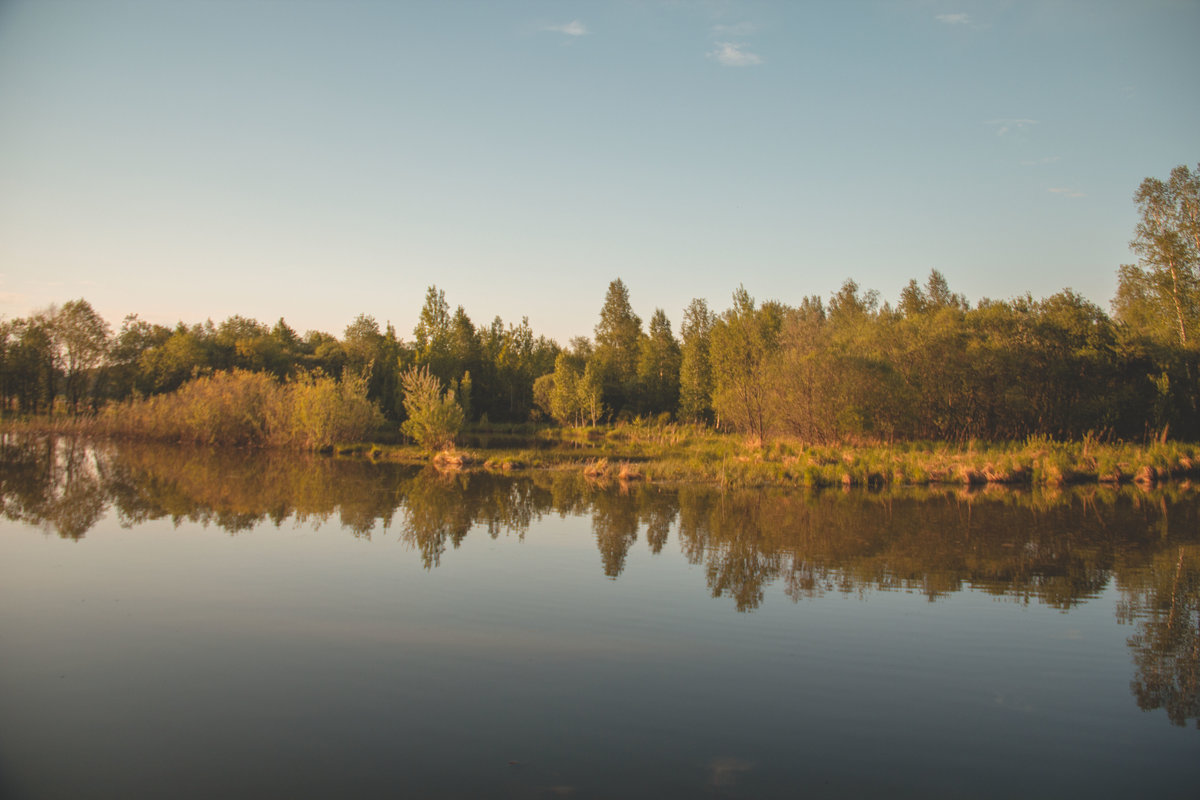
(572, 28)
(1039, 161)
(1066, 192)
(954, 19)
(1005, 126)
(737, 29)
(731, 54)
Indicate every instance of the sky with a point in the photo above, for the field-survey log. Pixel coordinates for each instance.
(320, 160)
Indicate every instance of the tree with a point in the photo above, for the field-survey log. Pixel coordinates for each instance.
(564, 394)
(658, 367)
(434, 333)
(618, 335)
(695, 369)
(513, 359)
(376, 355)
(135, 338)
(1167, 241)
(589, 394)
(543, 394)
(744, 339)
(805, 381)
(935, 297)
(81, 338)
(434, 415)
(31, 366)
(183, 355)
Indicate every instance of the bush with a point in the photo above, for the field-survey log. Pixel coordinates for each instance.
(250, 409)
(321, 412)
(434, 416)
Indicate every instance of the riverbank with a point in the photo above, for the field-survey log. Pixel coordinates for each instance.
(676, 453)
(689, 454)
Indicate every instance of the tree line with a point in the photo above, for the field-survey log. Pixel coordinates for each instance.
(932, 366)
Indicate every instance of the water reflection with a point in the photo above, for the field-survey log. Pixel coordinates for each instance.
(1162, 597)
(1059, 548)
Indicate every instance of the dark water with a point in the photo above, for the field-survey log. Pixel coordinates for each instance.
(176, 623)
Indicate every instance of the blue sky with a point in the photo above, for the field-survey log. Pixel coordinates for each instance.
(317, 160)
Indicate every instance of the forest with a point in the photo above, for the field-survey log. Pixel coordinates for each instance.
(932, 366)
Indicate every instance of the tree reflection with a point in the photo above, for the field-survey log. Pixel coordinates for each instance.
(615, 524)
(434, 514)
(1163, 599)
(56, 484)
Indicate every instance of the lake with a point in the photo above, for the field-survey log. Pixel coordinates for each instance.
(182, 623)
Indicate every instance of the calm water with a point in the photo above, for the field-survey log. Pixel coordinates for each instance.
(183, 624)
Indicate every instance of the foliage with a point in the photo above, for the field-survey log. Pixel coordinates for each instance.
(1166, 283)
(81, 339)
(695, 366)
(236, 408)
(322, 412)
(250, 409)
(434, 415)
(618, 336)
(658, 367)
(743, 340)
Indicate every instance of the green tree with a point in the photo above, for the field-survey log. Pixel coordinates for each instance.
(618, 336)
(31, 363)
(375, 354)
(81, 338)
(1167, 241)
(589, 392)
(433, 336)
(564, 392)
(658, 367)
(695, 368)
(134, 339)
(743, 341)
(804, 381)
(543, 394)
(513, 358)
(165, 367)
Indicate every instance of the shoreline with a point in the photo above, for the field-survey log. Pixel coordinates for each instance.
(674, 453)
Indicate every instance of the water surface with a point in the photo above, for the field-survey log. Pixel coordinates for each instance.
(194, 624)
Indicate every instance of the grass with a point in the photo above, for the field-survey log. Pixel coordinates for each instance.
(678, 453)
(691, 454)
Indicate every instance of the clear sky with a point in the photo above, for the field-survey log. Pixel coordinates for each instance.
(317, 160)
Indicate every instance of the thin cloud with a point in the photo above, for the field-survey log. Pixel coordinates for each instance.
(1006, 126)
(953, 19)
(737, 29)
(1066, 192)
(572, 28)
(1039, 161)
(730, 54)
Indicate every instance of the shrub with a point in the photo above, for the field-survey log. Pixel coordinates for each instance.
(320, 412)
(434, 416)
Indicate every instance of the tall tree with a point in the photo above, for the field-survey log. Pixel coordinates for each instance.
(135, 338)
(1167, 241)
(658, 367)
(433, 334)
(618, 336)
(695, 368)
(376, 355)
(31, 364)
(744, 341)
(81, 337)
